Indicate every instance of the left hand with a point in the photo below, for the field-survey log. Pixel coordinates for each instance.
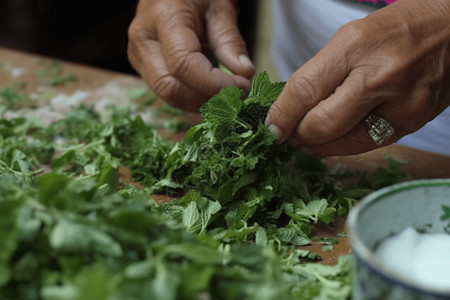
(394, 63)
(166, 40)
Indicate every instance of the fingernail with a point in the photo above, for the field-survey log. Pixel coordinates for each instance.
(276, 131)
(305, 150)
(245, 60)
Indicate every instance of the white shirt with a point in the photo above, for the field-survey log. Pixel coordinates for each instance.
(301, 28)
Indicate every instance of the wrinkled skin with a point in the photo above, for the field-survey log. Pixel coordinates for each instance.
(394, 63)
(166, 43)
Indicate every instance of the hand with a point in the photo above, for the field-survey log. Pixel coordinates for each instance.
(166, 39)
(394, 63)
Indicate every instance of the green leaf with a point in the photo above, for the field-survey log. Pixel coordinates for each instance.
(53, 292)
(261, 237)
(109, 173)
(316, 210)
(446, 215)
(263, 91)
(223, 108)
(138, 270)
(327, 248)
(197, 253)
(70, 237)
(190, 215)
(8, 236)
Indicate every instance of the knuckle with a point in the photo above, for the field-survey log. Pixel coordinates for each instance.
(135, 32)
(229, 36)
(351, 33)
(275, 111)
(162, 10)
(223, 9)
(132, 31)
(304, 92)
(167, 88)
(181, 65)
(354, 29)
(422, 104)
(178, 60)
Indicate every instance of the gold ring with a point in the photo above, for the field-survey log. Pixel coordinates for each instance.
(379, 129)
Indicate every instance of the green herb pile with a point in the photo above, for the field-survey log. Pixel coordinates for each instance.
(70, 229)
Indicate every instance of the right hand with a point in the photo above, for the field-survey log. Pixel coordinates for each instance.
(166, 39)
(395, 63)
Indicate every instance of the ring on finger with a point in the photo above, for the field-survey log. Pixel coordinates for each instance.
(379, 129)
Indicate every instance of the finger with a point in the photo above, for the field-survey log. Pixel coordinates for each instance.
(356, 97)
(397, 111)
(148, 61)
(182, 51)
(145, 54)
(340, 112)
(225, 39)
(310, 84)
(357, 140)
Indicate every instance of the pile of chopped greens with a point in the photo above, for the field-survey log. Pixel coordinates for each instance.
(72, 229)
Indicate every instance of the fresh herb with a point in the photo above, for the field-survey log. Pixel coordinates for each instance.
(141, 97)
(327, 248)
(326, 240)
(341, 234)
(170, 122)
(446, 215)
(52, 75)
(72, 228)
(12, 97)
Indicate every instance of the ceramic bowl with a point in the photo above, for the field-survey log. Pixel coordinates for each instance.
(384, 213)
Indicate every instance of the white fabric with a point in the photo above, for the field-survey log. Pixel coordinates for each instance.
(302, 27)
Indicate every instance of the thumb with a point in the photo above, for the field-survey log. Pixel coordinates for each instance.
(315, 81)
(225, 38)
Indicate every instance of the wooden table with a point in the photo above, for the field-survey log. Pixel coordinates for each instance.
(100, 88)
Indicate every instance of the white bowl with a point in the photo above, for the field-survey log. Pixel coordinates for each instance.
(387, 212)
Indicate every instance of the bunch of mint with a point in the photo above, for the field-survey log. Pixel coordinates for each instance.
(71, 229)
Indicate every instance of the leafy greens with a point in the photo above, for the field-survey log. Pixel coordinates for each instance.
(71, 228)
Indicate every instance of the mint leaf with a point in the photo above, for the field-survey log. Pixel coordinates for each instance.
(446, 215)
(316, 210)
(71, 237)
(190, 215)
(223, 108)
(263, 91)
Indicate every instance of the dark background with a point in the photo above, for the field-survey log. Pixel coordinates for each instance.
(91, 32)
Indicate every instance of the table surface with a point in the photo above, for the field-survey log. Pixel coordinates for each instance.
(101, 87)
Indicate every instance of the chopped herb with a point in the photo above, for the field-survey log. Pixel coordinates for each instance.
(141, 97)
(53, 74)
(12, 97)
(72, 228)
(327, 248)
(326, 240)
(167, 111)
(446, 215)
